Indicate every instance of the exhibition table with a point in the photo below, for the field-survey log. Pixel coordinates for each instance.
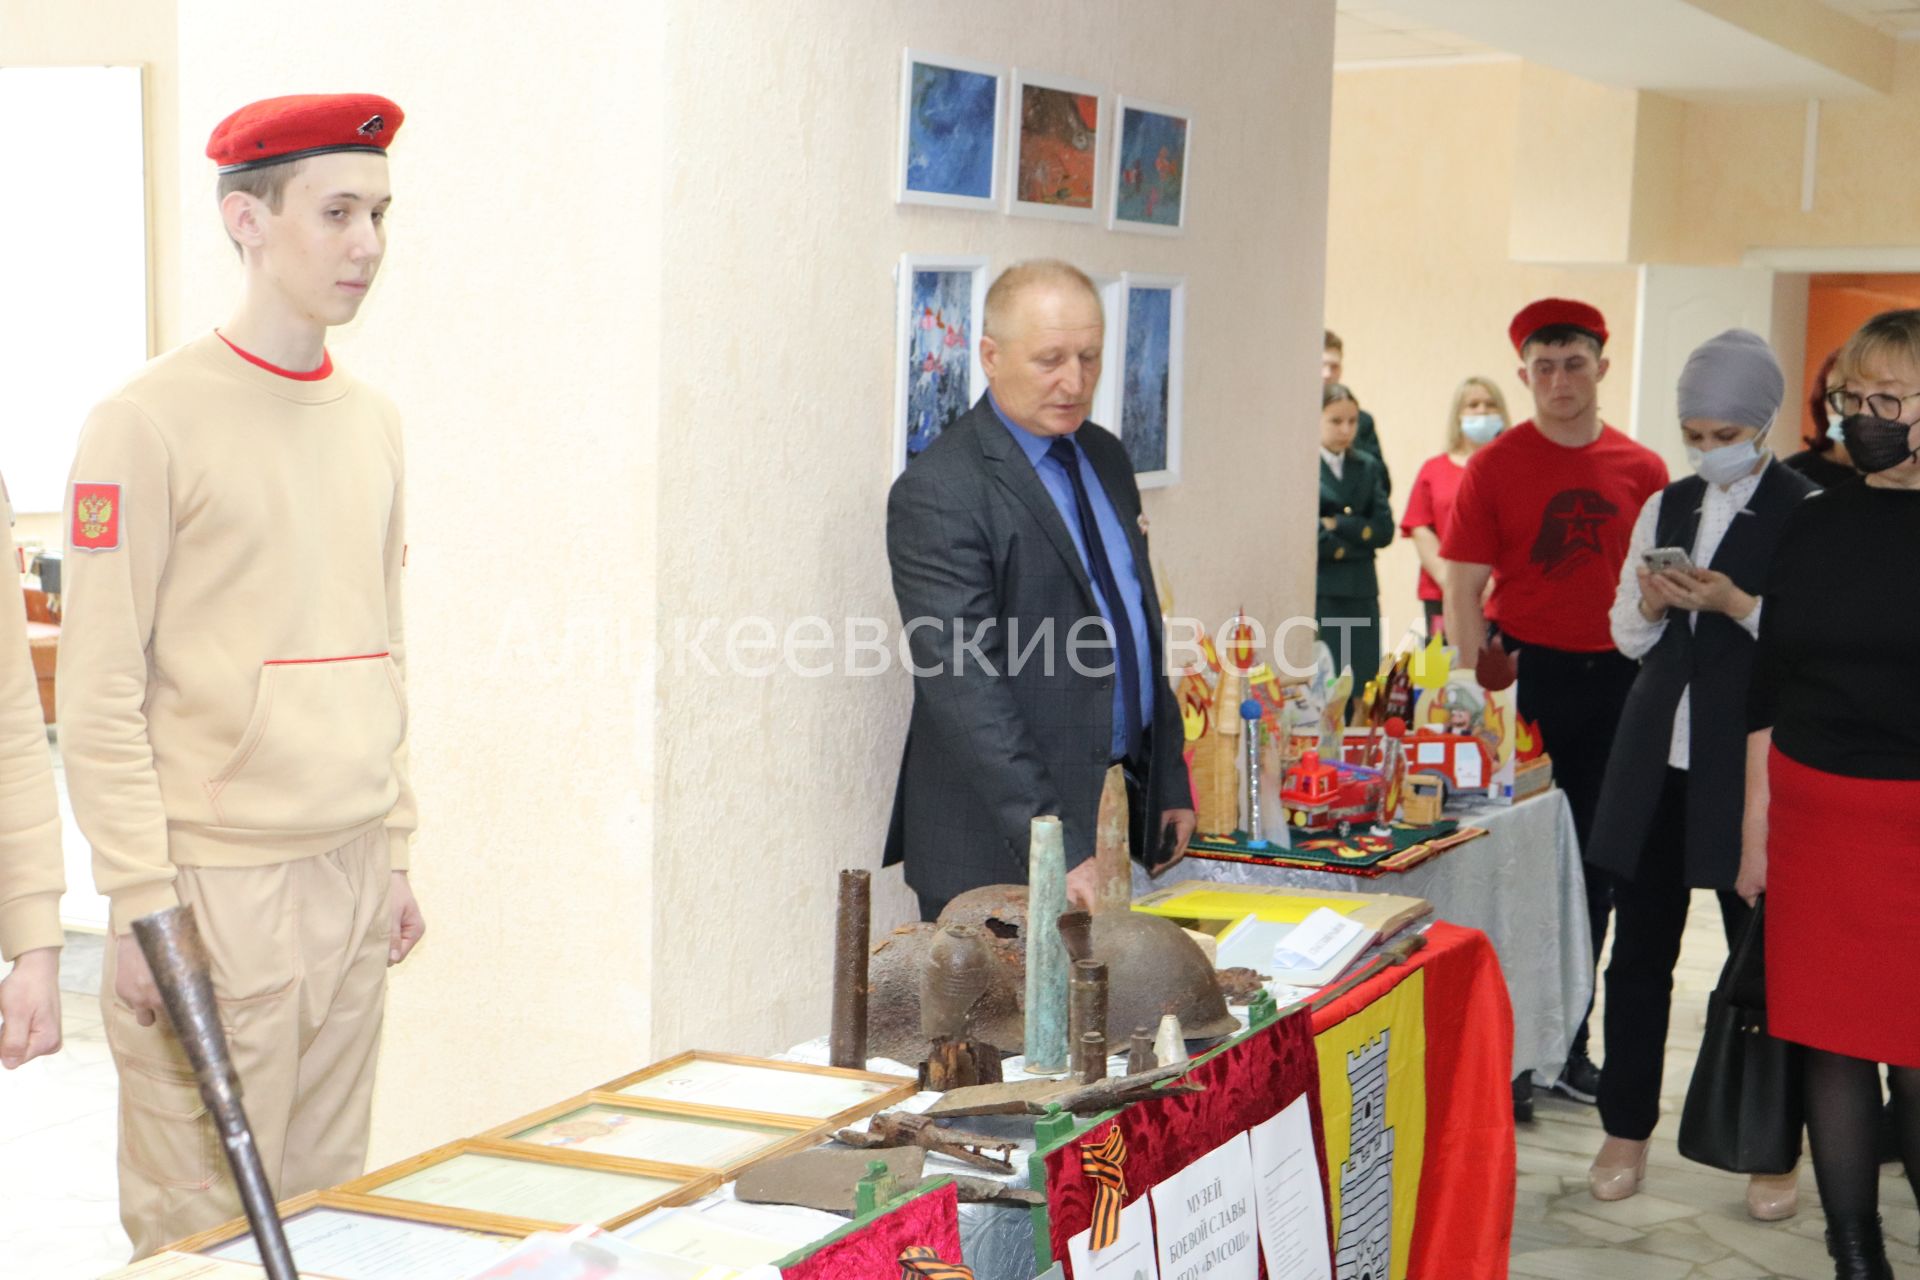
(1521, 885)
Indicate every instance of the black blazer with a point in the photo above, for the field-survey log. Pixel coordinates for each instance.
(973, 536)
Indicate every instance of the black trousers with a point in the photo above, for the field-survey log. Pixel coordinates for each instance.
(1649, 917)
(1576, 699)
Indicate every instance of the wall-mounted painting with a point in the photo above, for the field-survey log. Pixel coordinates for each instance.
(952, 112)
(1152, 374)
(1152, 148)
(937, 365)
(1055, 152)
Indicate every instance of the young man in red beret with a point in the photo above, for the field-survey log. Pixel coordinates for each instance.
(232, 698)
(1547, 511)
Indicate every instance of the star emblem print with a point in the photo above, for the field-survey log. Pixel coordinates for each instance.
(373, 126)
(1570, 530)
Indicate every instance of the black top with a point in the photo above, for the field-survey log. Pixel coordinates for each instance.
(1837, 676)
(1821, 468)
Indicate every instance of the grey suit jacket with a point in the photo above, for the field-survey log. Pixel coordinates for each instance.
(980, 553)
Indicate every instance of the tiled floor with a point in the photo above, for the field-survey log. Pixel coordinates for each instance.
(58, 1218)
(1688, 1221)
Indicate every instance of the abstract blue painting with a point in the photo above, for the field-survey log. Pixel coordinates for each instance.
(1151, 369)
(1151, 171)
(952, 133)
(939, 347)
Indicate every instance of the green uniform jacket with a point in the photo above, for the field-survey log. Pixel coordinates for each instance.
(1363, 523)
(1367, 440)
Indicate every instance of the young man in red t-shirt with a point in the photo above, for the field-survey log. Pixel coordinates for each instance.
(1547, 510)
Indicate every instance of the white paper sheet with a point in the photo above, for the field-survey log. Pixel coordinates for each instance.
(1316, 941)
(654, 1135)
(1293, 1205)
(1204, 1217)
(745, 1087)
(364, 1246)
(1129, 1257)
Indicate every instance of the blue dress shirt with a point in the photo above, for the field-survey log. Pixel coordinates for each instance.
(1119, 558)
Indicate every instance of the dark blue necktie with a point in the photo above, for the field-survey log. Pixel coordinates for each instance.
(1062, 451)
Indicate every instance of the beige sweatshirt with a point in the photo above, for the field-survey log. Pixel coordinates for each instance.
(31, 874)
(232, 670)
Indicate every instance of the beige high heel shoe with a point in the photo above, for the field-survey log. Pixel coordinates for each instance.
(1619, 1169)
(1772, 1197)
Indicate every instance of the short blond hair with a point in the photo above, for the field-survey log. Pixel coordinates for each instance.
(267, 184)
(1022, 276)
(1891, 335)
(1456, 438)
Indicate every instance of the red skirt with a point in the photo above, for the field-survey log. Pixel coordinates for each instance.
(1843, 897)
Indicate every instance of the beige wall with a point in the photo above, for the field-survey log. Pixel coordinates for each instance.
(638, 313)
(781, 240)
(120, 33)
(1420, 280)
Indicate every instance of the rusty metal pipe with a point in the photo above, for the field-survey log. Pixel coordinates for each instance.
(847, 1043)
(170, 940)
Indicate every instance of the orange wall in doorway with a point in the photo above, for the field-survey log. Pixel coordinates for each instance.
(1839, 304)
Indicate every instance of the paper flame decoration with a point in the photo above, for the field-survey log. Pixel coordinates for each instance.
(1527, 742)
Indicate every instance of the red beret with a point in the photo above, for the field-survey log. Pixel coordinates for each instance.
(1547, 312)
(308, 124)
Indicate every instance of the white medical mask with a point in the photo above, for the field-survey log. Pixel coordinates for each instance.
(1481, 427)
(1726, 464)
(1833, 428)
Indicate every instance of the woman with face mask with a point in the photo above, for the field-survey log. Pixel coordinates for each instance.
(1479, 414)
(1832, 833)
(1355, 522)
(1824, 461)
(1670, 809)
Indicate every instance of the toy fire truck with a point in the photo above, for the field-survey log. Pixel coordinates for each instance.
(1318, 796)
(1460, 759)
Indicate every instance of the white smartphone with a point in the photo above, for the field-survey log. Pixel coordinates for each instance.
(1660, 559)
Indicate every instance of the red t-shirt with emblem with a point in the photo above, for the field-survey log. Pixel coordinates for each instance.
(1554, 523)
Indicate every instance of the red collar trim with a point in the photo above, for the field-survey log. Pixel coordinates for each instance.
(312, 375)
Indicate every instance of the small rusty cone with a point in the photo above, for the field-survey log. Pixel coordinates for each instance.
(954, 975)
(1090, 1056)
(1086, 1008)
(1140, 1053)
(847, 1040)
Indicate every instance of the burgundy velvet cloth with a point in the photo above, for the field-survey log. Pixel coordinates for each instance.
(1246, 1085)
(873, 1252)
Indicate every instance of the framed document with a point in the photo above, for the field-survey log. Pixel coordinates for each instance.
(357, 1243)
(629, 1129)
(725, 1085)
(521, 1189)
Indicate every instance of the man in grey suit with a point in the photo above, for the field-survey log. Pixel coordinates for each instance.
(1019, 560)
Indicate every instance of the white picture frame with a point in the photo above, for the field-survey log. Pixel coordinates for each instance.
(1106, 398)
(922, 392)
(1023, 80)
(1165, 320)
(1125, 196)
(930, 172)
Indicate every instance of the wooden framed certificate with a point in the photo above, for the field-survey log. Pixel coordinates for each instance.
(723, 1084)
(327, 1238)
(629, 1129)
(513, 1188)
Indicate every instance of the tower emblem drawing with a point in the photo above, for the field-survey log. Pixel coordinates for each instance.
(1365, 1247)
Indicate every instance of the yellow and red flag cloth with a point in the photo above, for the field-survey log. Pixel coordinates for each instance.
(1416, 1069)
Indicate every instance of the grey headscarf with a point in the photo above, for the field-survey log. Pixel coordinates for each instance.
(1732, 378)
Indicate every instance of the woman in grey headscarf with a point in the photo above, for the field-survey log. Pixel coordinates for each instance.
(1688, 607)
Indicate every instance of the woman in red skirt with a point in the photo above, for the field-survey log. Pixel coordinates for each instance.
(1832, 833)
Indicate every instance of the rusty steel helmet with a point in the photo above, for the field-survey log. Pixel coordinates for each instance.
(1154, 968)
(898, 974)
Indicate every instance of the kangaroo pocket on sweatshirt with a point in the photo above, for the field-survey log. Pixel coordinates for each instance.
(317, 752)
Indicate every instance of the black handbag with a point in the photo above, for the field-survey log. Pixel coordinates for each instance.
(1744, 1109)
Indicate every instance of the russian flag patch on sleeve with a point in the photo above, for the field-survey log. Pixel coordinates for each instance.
(96, 517)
